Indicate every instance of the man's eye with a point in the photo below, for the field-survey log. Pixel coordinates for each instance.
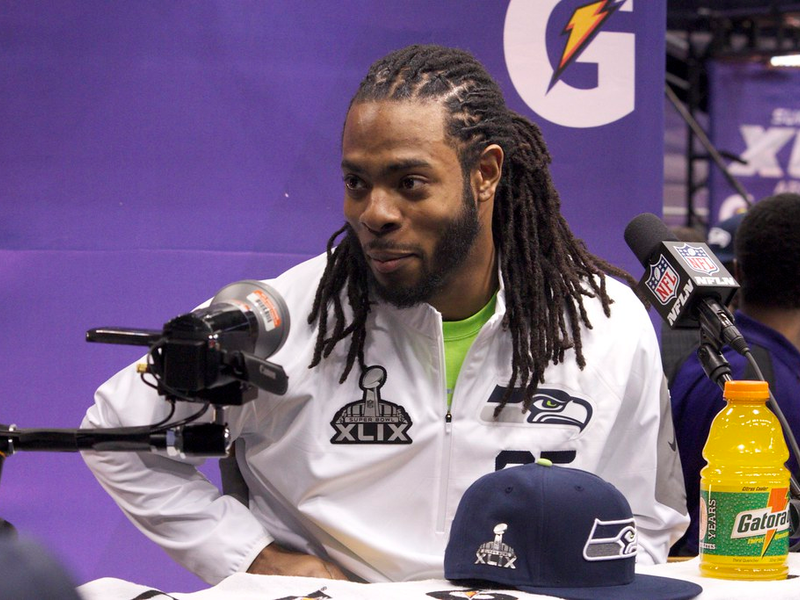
(351, 182)
(411, 183)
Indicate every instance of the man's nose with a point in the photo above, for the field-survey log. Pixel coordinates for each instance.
(381, 213)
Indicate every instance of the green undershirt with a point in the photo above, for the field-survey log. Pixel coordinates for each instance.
(458, 337)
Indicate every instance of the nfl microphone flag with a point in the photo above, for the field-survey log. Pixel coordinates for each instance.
(677, 274)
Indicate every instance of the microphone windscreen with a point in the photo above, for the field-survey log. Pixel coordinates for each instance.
(643, 235)
(268, 308)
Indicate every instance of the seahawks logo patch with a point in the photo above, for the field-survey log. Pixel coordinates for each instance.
(371, 420)
(611, 540)
(550, 406)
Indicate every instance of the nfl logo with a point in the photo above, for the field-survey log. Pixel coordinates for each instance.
(697, 259)
(663, 281)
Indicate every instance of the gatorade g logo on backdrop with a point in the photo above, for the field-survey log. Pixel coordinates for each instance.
(371, 420)
(569, 62)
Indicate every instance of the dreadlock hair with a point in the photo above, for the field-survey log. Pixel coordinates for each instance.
(546, 271)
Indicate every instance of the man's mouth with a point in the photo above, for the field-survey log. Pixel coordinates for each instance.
(387, 262)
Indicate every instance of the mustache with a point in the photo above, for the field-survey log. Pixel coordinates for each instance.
(378, 244)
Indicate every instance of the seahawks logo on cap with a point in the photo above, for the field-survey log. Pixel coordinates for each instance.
(611, 540)
(497, 553)
(371, 420)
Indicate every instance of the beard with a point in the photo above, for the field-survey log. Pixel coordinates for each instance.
(450, 252)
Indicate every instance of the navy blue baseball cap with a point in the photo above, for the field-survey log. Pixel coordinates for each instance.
(722, 237)
(29, 572)
(553, 531)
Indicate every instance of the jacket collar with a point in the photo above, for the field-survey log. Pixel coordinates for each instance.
(426, 320)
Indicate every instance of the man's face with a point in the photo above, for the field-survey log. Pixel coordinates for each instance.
(406, 200)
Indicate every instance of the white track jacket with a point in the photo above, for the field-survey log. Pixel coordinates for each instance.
(369, 473)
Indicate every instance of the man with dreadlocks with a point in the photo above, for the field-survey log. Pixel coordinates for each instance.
(455, 327)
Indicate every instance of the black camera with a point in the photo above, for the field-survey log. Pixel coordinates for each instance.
(217, 353)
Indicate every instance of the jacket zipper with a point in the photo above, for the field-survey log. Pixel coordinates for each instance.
(441, 519)
(447, 444)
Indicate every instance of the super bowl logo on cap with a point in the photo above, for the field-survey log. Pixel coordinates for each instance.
(697, 259)
(496, 553)
(611, 540)
(371, 420)
(663, 280)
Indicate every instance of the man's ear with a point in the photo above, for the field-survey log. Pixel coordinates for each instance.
(487, 173)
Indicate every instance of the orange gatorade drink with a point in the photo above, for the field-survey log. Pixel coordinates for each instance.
(744, 489)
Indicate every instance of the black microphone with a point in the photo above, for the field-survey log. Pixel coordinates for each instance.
(686, 283)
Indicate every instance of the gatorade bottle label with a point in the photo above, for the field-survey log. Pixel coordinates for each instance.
(746, 524)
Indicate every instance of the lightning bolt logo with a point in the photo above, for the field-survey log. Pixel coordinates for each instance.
(778, 499)
(582, 28)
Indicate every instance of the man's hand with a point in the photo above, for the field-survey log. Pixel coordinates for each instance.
(274, 560)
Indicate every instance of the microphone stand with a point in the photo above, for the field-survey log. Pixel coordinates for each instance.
(714, 363)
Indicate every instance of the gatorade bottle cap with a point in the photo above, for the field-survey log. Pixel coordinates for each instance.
(746, 390)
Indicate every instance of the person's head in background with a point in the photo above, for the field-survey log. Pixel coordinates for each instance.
(767, 251)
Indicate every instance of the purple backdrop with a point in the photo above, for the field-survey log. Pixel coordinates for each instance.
(152, 152)
(754, 114)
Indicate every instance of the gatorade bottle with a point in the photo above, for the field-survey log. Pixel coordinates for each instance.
(744, 489)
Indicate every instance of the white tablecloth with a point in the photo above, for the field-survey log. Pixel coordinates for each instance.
(260, 587)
